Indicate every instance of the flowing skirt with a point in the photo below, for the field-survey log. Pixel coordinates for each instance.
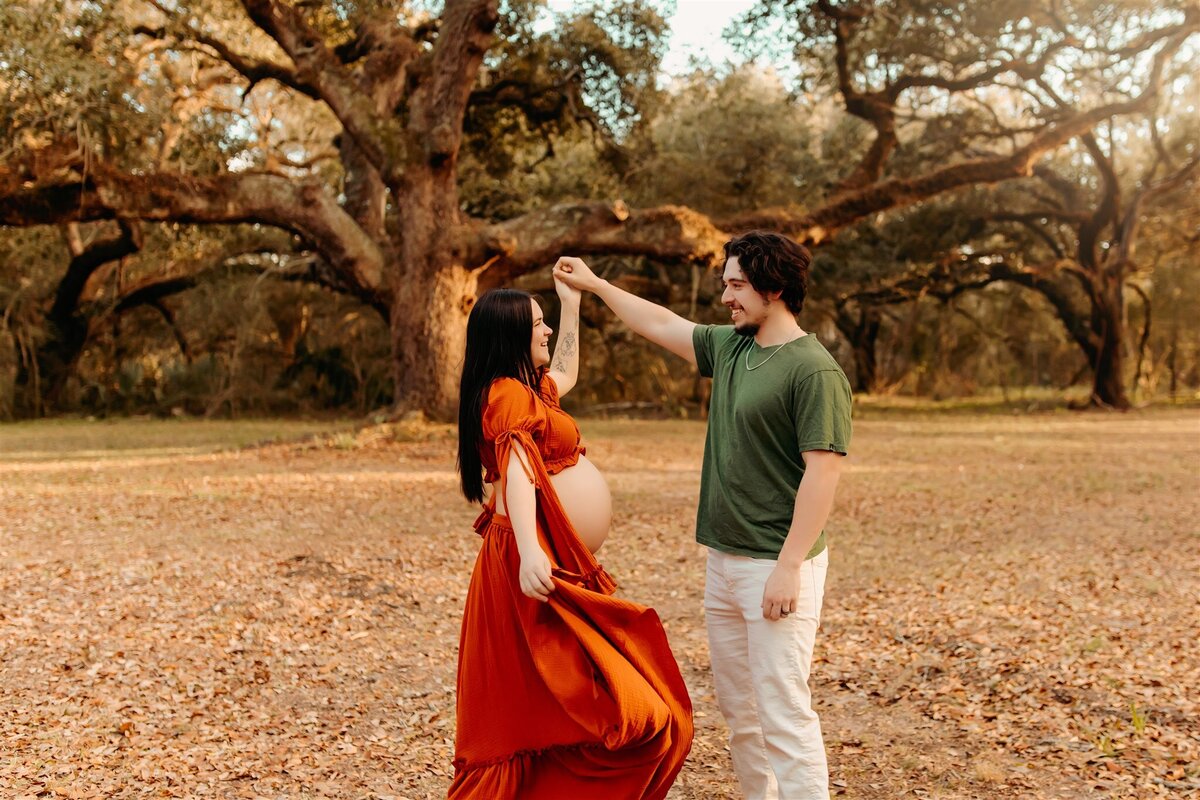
(579, 698)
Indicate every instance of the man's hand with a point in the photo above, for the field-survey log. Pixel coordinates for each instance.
(535, 574)
(576, 274)
(782, 592)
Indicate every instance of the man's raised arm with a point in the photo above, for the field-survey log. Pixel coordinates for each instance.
(660, 325)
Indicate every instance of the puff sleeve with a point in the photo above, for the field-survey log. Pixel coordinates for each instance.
(512, 415)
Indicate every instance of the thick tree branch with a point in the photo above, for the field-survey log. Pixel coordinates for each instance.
(877, 108)
(953, 275)
(384, 52)
(168, 316)
(844, 210)
(672, 232)
(1030, 220)
(69, 192)
(1107, 211)
(669, 233)
(1162, 156)
(85, 261)
(1024, 67)
(1148, 194)
(379, 138)
(254, 70)
(153, 292)
(541, 103)
(366, 195)
(959, 274)
(304, 268)
(859, 188)
(438, 104)
(1073, 318)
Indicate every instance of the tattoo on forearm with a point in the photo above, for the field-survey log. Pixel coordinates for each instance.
(564, 351)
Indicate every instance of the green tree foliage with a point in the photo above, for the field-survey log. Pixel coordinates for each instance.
(265, 204)
(729, 144)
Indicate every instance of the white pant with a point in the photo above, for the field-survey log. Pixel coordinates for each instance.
(760, 668)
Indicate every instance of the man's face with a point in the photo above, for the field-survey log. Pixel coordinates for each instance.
(747, 306)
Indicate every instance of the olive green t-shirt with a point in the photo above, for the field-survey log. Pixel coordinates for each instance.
(760, 420)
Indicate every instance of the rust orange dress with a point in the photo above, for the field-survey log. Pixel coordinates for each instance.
(579, 698)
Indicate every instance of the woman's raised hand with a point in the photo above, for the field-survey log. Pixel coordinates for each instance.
(576, 274)
(568, 294)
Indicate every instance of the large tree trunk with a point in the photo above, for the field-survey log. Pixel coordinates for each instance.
(432, 294)
(866, 369)
(1108, 328)
(429, 337)
(862, 330)
(42, 378)
(40, 392)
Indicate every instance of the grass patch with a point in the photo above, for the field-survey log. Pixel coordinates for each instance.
(84, 439)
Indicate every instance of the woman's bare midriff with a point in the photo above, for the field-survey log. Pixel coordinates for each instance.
(584, 495)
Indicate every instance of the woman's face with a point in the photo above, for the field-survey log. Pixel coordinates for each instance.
(540, 346)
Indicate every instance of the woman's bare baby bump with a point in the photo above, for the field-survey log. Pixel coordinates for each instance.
(584, 495)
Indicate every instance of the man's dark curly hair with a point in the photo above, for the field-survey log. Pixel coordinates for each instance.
(772, 262)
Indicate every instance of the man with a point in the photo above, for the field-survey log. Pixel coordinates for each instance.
(779, 424)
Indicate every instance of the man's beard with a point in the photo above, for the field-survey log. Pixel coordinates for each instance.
(747, 329)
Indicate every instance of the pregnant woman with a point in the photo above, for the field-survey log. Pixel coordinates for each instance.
(564, 691)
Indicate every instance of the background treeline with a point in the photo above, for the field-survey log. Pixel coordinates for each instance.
(1078, 275)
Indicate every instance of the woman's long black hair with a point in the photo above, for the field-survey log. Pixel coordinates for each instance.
(499, 333)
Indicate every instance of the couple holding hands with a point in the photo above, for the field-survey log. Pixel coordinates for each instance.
(566, 692)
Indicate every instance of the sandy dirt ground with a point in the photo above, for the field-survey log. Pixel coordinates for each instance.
(1012, 607)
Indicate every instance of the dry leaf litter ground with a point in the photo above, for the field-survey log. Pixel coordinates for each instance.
(1011, 611)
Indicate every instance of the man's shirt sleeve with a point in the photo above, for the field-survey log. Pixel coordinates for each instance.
(704, 342)
(822, 406)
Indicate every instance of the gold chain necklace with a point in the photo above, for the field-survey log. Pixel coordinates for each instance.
(768, 358)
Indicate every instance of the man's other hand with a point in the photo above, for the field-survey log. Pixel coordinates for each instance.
(782, 592)
(576, 274)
